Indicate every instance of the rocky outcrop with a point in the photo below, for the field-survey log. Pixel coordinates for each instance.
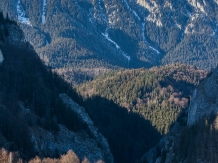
(165, 146)
(1, 57)
(101, 141)
(205, 98)
(89, 144)
(16, 36)
(204, 102)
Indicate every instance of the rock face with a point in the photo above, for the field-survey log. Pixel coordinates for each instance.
(105, 34)
(1, 57)
(16, 36)
(205, 98)
(78, 133)
(204, 102)
(94, 147)
(104, 153)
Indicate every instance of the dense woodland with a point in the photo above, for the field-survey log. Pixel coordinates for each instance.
(159, 94)
(129, 134)
(24, 80)
(71, 40)
(29, 97)
(196, 143)
(134, 108)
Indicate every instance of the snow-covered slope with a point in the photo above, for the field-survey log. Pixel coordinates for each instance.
(44, 11)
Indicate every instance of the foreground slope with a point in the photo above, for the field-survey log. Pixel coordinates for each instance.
(40, 116)
(196, 141)
(35, 119)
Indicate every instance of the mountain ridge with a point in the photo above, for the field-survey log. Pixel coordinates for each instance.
(118, 34)
(34, 120)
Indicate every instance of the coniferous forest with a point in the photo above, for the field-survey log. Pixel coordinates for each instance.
(108, 81)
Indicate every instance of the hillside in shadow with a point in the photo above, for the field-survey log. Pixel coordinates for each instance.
(129, 135)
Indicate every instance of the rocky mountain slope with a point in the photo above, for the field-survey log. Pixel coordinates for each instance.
(204, 99)
(197, 140)
(83, 38)
(40, 115)
(36, 118)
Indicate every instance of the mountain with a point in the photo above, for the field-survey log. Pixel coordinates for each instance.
(83, 38)
(42, 116)
(197, 140)
(38, 112)
(159, 94)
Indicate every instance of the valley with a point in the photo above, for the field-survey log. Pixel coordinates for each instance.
(99, 81)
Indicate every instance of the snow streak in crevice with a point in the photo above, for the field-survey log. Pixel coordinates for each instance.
(117, 46)
(142, 27)
(129, 8)
(22, 18)
(152, 48)
(44, 10)
(46, 42)
(144, 39)
(106, 35)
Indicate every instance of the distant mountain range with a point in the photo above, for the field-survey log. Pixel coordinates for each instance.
(82, 38)
(120, 115)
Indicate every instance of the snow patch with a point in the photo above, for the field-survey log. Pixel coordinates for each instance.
(99, 12)
(189, 28)
(22, 18)
(179, 26)
(154, 49)
(143, 32)
(145, 41)
(128, 7)
(1, 57)
(44, 10)
(168, 5)
(194, 93)
(46, 42)
(197, 5)
(112, 15)
(117, 46)
(99, 3)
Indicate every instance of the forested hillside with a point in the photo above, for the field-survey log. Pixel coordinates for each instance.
(123, 109)
(159, 94)
(84, 38)
(38, 119)
(34, 118)
(196, 141)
